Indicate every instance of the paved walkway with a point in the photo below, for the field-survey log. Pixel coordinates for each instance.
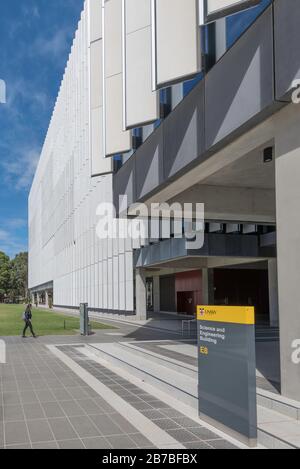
(53, 394)
(44, 403)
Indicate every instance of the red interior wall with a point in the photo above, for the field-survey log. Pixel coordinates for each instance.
(189, 281)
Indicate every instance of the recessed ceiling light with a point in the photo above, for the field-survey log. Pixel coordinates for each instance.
(268, 155)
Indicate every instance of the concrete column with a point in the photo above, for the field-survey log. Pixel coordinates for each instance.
(156, 294)
(46, 299)
(273, 293)
(207, 286)
(140, 292)
(287, 163)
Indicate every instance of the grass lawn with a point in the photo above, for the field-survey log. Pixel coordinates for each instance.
(44, 322)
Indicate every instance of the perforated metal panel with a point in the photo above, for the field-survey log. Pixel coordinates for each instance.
(99, 164)
(176, 41)
(141, 104)
(116, 140)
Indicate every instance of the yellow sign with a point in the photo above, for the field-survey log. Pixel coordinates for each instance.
(227, 314)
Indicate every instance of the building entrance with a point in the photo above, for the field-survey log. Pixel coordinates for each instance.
(238, 287)
(186, 303)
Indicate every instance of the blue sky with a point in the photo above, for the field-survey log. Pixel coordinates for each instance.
(35, 39)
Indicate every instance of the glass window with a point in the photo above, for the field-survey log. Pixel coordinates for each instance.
(237, 24)
(189, 85)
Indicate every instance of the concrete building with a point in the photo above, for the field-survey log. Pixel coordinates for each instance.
(160, 109)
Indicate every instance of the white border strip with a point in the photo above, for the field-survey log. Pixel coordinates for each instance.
(124, 37)
(164, 358)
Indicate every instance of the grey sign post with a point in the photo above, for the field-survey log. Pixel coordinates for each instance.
(84, 319)
(227, 370)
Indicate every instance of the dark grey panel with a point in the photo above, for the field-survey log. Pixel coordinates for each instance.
(184, 133)
(228, 245)
(287, 40)
(124, 183)
(228, 394)
(240, 86)
(215, 245)
(165, 251)
(167, 294)
(178, 248)
(149, 164)
(154, 253)
(268, 239)
(160, 252)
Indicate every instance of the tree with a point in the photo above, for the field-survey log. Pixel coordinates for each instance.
(5, 275)
(19, 276)
(13, 277)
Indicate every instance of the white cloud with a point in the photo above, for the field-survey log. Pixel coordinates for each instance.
(30, 11)
(12, 248)
(26, 93)
(16, 223)
(53, 46)
(35, 12)
(19, 172)
(4, 235)
(10, 242)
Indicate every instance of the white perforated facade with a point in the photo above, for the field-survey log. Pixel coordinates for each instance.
(63, 246)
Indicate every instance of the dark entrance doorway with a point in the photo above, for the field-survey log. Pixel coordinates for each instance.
(243, 287)
(167, 293)
(186, 303)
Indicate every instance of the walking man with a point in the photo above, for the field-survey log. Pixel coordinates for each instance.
(27, 319)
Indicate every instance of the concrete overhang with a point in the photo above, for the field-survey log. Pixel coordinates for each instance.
(42, 287)
(173, 251)
(228, 114)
